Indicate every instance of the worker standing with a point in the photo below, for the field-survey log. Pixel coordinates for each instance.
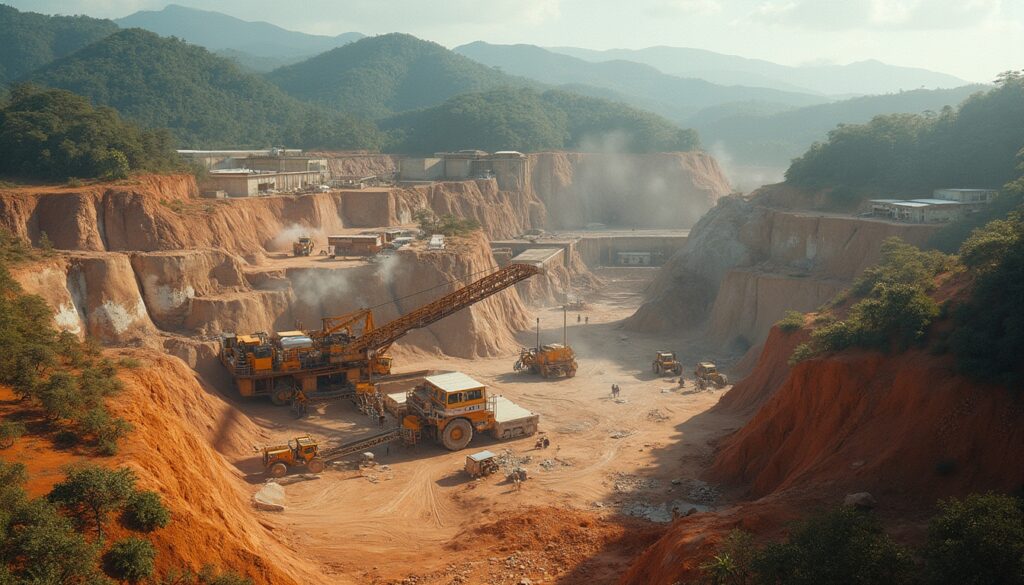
(586, 320)
(382, 419)
(578, 317)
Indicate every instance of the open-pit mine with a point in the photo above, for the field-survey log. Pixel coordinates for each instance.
(326, 394)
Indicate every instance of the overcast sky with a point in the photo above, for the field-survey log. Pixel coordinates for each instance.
(973, 39)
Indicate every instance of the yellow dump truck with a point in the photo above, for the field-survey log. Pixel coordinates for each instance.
(450, 408)
(303, 246)
(553, 360)
(665, 363)
(299, 452)
(708, 376)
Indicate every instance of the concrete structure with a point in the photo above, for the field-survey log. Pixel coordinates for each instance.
(966, 195)
(507, 167)
(540, 256)
(285, 164)
(919, 210)
(229, 159)
(357, 245)
(634, 258)
(250, 182)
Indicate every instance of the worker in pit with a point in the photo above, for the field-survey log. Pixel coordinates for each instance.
(300, 404)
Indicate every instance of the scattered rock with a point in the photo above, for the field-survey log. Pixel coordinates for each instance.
(290, 479)
(860, 500)
(656, 416)
(270, 497)
(621, 434)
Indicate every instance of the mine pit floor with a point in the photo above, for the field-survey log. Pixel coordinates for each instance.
(382, 525)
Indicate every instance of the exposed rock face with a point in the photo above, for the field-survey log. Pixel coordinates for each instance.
(651, 190)
(744, 265)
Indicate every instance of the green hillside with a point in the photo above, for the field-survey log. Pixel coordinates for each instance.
(206, 101)
(975, 145)
(775, 138)
(31, 40)
(379, 76)
(527, 120)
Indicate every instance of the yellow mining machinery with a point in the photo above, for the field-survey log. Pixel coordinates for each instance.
(348, 351)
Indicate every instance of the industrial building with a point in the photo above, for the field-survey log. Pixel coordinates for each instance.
(507, 166)
(945, 205)
(252, 182)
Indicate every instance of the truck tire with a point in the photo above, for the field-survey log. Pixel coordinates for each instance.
(457, 434)
(315, 465)
(281, 396)
(278, 470)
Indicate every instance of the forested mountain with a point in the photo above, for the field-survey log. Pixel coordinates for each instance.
(975, 145)
(55, 134)
(217, 31)
(527, 120)
(203, 99)
(379, 76)
(30, 40)
(640, 85)
(862, 77)
(774, 138)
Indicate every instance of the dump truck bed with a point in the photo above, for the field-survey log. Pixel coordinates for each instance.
(395, 404)
(512, 420)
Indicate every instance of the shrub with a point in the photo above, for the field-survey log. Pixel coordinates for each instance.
(802, 352)
(793, 321)
(733, 565)
(131, 559)
(977, 540)
(843, 545)
(129, 363)
(105, 429)
(448, 224)
(90, 492)
(146, 512)
(10, 431)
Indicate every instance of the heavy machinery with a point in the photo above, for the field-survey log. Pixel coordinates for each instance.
(451, 407)
(347, 352)
(303, 246)
(665, 363)
(708, 376)
(299, 452)
(553, 360)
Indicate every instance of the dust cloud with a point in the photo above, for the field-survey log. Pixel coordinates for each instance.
(745, 178)
(282, 242)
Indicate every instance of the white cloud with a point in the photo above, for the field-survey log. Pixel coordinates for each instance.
(685, 7)
(878, 14)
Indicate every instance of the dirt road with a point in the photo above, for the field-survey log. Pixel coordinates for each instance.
(636, 455)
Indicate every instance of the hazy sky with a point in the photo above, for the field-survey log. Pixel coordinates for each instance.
(973, 39)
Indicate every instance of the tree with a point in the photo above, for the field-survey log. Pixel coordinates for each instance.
(131, 559)
(975, 541)
(146, 512)
(90, 493)
(843, 545)
(43, 547)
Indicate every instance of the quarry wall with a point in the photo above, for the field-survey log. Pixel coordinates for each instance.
(744, 265)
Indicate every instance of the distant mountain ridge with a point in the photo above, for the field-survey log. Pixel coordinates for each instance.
(860, 78)
(637, 84)
(256, 45)
(387, 74)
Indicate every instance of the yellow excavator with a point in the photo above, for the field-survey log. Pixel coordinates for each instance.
(348, 351)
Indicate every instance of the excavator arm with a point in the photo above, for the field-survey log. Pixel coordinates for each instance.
(383, 336)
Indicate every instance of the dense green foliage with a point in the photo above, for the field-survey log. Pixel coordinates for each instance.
(792, 321)
(523, 119)
(32, 40)
(974, 541)
(894, 306)
(55, 134)
(379, 76)
(447, 224)
(972, 146)
(988, 340)
(70, 380)
(146, 512)
(90, 493)
(131, 559)
(37, 543)
(203, 99)
(843, 545)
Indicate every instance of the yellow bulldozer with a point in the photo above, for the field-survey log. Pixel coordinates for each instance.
(299, 452)
(665, 363)
(708, 376)
(553, 360)
(303, 246)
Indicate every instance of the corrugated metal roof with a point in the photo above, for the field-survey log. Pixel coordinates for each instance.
(453, 382)
(936, 201)
(481, 456)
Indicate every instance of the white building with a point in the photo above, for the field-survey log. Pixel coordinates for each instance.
(966, 195)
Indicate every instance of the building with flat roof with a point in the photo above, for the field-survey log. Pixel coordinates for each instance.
(356, 245)
(966, 195)
(251, 182)
(919, 210)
